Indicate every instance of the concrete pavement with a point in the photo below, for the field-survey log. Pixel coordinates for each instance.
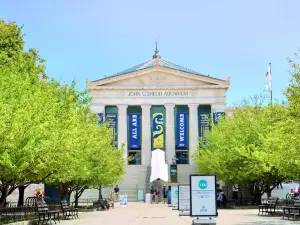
(161, 214)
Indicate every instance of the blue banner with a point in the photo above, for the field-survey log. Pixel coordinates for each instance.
(217, 116)
(204, 124)
(112, 119)
(182, 130)
(134, 131)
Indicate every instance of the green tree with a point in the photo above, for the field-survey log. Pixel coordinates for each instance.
(250, 149)
(46, 128)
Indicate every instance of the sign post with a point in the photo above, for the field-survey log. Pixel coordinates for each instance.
(184, 199)
(203, 199)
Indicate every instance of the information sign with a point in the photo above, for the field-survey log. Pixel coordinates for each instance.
(203, 199)
(174, 197)
(184, 197)
(140, 195)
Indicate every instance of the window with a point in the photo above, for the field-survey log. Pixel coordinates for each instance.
(135, 157)
(182, 157)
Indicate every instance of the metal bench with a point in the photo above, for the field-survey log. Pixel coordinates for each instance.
(269, 207)
(292, 211)
(68, 211)
(45, 214)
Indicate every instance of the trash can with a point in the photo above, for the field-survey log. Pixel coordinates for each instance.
(148, 198)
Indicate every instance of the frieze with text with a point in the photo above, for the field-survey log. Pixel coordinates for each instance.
(158, 94)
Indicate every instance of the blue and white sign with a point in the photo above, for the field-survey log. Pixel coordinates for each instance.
(140, 195)
(203, 200)
(134, 131)
(174, 197)
(182, 130)
(123, 201)
(217, 116)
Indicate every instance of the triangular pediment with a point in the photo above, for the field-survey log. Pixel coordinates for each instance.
(157, 77)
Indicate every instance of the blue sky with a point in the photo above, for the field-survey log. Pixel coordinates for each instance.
(90, 39)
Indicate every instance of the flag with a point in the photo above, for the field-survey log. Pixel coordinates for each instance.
(269, 79)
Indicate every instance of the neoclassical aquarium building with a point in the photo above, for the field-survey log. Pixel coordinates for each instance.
(158, 105)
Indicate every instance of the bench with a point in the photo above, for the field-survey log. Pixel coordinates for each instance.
(45, 214)
(269, 207)
(68, 211)
(292, 211)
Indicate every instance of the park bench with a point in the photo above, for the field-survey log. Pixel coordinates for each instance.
(292, 211)
(68, 211)
(269, 207)
(45, 214)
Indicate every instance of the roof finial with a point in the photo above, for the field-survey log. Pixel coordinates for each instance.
(156, 54)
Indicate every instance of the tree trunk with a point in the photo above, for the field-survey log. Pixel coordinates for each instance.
(269, 193)
(76, 198)
(77, 195)
(21, 195)
(3, 196)
(256, 195)
(100, 192)
(257, 198)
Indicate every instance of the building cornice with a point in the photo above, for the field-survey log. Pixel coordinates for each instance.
(110, 80)
(158, 87)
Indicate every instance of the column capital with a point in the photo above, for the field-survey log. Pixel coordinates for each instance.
(146, 106)
(122, 106)
(169, 105)
(193, 105)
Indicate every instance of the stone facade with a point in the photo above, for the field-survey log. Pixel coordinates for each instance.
(164, 85)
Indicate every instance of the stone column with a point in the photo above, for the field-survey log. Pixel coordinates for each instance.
(170, 133)
(122, 128)
(146, 135)
(193, 130)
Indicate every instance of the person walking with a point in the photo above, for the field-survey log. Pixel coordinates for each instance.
(153, 196)
(152, 193)
(220, 198)
(117, 193)
(156, 195)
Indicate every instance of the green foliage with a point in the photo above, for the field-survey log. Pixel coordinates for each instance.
(251, 147)
(46, 128)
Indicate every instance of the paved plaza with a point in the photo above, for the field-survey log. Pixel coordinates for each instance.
(146, 214)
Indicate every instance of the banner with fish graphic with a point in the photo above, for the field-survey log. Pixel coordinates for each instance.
(158, 130)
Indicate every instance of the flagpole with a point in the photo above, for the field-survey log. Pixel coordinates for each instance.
(271, 85)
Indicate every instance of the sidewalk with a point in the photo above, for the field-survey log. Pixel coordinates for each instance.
(161, 214)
